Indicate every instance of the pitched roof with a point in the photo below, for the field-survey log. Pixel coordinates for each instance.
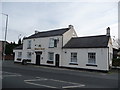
(48, 33)
(20, 47)
(100, 41)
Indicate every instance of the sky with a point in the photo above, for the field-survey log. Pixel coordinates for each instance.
(88, 18)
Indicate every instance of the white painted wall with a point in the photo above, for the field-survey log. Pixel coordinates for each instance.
(110, 46)
(16, 55)
(82, 58)
(82, 54)
(1, 49)
(68, 35)
(44, 42)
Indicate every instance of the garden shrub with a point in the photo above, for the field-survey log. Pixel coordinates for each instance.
(116, 62)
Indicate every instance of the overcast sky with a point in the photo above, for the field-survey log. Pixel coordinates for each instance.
(88, 18)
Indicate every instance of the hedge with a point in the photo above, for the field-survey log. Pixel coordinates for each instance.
(116, 62)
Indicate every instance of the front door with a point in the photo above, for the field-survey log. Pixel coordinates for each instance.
(57, 60)
(38, 56)
(37, 59)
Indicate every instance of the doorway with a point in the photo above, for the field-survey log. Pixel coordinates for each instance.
(57, 56)
(38, 57)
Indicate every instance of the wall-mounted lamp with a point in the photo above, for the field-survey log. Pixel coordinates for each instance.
(39, 45)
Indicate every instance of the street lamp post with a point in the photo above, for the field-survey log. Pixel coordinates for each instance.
(6, 27)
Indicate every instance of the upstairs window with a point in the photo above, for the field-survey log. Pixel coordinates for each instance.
(92, 58)
(53, 43)
(73, 57)
(29, 44)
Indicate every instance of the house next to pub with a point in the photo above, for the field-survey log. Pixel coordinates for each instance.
(63, 48)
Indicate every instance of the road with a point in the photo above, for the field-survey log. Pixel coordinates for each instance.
(32, 76)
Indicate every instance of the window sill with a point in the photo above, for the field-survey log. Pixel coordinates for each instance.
(91, 65)
(18, 59)
(50, 62)
(28, 48)
(28, 60)
(51, 47)
(71, 63)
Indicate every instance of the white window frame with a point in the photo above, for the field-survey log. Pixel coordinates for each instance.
(51, 42)
(92, 58)
(29, 55)
(49, 57)
(19, 55)
(73, 57)
(29, 44)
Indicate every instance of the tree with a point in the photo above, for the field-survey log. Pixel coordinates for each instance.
(19, 42)
(9, 48)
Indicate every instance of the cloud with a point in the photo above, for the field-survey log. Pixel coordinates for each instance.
(60, 0)
(88, 18)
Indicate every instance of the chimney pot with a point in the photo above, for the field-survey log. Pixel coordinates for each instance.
(70, 26)
(108, 31)
(36, 31)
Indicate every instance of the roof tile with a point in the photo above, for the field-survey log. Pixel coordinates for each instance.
(100, 41)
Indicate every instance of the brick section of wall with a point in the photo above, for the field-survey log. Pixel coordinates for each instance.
(9, 57)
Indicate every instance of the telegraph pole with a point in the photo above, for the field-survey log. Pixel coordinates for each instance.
(6, 27)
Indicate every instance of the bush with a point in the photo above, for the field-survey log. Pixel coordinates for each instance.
(116, 62)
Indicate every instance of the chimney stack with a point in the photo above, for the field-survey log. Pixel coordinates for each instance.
(36, 31)
(108, 31)
(70, 26)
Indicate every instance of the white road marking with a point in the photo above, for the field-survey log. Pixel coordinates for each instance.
(74, 85)
(42, 79)
(63, 81)
(40, 85)
(10, 74)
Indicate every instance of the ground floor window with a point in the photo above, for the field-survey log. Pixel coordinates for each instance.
(50, 56)
(29, 55)
(74, 57)
(19, 54)
(92, 58)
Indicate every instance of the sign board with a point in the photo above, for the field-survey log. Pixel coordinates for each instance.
(39, 48)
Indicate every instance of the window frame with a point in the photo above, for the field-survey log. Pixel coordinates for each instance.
(73, 58)
(29, 44)
(29, 53)
(19, 55)
(51, 43)
(92, 58)
(50, 56)
(55, 43)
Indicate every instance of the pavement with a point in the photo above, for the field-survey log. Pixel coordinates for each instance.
(32, 76)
